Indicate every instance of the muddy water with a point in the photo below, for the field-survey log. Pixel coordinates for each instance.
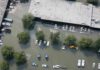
(67, 58)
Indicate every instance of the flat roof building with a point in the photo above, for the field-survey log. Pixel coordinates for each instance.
(66, 11)
(3, 5)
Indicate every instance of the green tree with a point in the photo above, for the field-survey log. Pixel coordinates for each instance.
(4, 65)
(94, 2)
(20, 58)
(70, 40)
(7, 52)
(40, 35)
(85, 43)
(96, 45)
(28, 21)
(54, 37)
(23, 37)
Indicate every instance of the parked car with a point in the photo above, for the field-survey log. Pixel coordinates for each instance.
(46, 56)
(63, 47)
(93, 64)
(56, 66)
(38, 56)
(40, 42)
(34, 64)
(98, 53)
(1, 34)
(6, 24)
(48, 43)
(1, 42)
(36, 41)
(8, 20)
(79, 63)
(7, 29)
(45, 42)
(44, 65)
(83, 63)
(99, 66)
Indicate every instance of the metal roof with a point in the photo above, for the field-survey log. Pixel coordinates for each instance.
(66, 11)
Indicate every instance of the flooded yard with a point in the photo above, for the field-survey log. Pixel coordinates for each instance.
(67, 58)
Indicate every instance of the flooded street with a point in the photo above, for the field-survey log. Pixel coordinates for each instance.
(84, 1)
(67, 58)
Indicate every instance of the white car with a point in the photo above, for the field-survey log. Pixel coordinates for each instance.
(79, 63)
(36, 41)
(44, 65)
(34, 64)
(99, 66)
(45, 42)
(48, 43)
(55, 27)
(8, 19)
(11, 7)
(93, 64)
(1, 42)
(83, 63)
(56, 66)
(3, 29)
(40, 42)
(63, 48)
(6, 24)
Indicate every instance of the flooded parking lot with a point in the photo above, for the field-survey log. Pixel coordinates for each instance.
(67, 58)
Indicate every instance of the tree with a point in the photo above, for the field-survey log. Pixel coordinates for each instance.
(24, 1)
(70, 40)
(4, 65)
(23, 37)
(7, 52)
(96, 45)
(94, 2)
(40, 35)
(54, 37)
(28, 21)
(85, 43)
(20, 58)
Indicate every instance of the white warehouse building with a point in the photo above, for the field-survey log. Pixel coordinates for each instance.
(66, 11)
